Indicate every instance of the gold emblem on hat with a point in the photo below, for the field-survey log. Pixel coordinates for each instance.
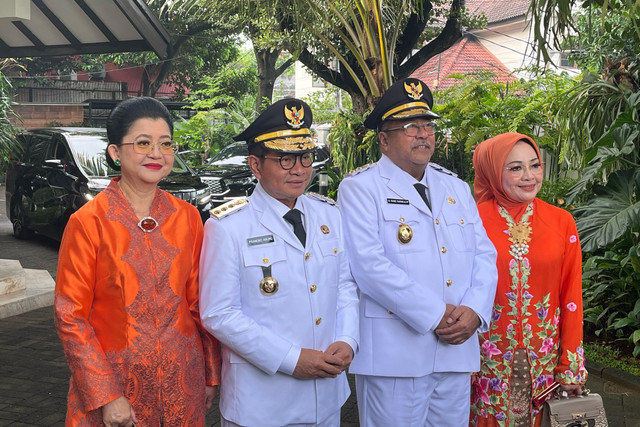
(405, 234)
(295, 115)
(324, 229)
(414, 91)
(268, 286)
(450, 200)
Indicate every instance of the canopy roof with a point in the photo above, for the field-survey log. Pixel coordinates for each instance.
(74, 27)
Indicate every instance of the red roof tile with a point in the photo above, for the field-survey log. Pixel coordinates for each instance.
(499, 10)
(466, 56)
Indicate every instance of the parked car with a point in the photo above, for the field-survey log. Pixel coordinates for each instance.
(228, 176)
(60, 169)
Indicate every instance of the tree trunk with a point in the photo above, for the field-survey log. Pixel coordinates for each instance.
(360, 105)
(146, 82)
(266, 59)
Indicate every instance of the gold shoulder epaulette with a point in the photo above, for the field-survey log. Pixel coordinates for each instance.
(228, 208)
(439, 168)
(360, 169)
(321, 198)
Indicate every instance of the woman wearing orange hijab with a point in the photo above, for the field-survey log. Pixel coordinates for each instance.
(535, 336)
(126, 299)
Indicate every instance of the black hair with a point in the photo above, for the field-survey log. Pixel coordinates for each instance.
(128, 111)
(256, 149)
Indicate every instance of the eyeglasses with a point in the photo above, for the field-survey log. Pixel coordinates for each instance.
(519, 170)
(288, 161)
(413, 129)
(144, 146)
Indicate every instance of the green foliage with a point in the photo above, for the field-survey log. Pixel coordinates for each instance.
(601, 38)
(8, 147)
(324, 104)
(608, 356)
(588, 112)
(209, 131)
(612, 296)
(554, 192)
(613, 211)
(225, 107)
(478, 107)
(352, 144)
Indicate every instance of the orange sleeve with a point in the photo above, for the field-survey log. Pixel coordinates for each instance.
(92, 375)
(570, 368)
(211, 346)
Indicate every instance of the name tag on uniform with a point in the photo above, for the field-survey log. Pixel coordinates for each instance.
(398, 201)
(260, 240)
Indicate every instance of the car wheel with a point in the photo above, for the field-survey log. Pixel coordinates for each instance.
(19, 229)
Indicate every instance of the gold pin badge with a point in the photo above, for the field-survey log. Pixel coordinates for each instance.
(324, 229)
(450, 200)
(268, 286)
(405, 234)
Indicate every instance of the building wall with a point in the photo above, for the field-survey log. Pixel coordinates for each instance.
(41, 115)
(510, 42)
(305, 81)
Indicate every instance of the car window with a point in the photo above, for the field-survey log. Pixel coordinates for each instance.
(235, 154)
(89, 150)
(179, 166)
(36, 149)
(59, 152)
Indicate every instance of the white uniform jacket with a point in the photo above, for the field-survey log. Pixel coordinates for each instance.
(316, 304)
(404, 287)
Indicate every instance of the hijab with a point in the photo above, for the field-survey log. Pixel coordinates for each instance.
(488, 162)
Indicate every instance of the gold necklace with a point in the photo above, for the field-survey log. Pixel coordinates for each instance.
(519, 233)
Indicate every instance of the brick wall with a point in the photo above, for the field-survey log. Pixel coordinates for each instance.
(41, 115)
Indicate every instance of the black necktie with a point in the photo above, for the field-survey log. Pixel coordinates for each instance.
(424, 193)
(294, 217)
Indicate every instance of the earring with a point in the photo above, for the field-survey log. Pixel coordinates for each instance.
(116, 162)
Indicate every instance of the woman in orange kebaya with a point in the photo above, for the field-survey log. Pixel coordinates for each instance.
(535, 335)
(126, 300)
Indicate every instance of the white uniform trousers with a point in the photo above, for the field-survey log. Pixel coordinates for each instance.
(331, 421)
(435, 400)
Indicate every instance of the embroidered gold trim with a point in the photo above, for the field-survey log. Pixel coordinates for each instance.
(291, 144)
(281, 133)
(412, 108)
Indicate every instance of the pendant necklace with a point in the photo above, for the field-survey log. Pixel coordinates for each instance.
(519, 233)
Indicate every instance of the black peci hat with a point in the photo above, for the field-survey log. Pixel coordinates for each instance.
(405, 99)
(283, 127)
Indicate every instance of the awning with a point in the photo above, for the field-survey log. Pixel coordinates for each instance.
(75, 27)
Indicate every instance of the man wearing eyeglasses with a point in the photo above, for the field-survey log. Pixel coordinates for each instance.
(425, 269)
(276, 288)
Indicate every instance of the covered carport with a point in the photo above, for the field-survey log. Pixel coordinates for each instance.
(37, 28)
(32, 28)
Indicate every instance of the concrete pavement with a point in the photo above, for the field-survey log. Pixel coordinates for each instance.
(34, 374)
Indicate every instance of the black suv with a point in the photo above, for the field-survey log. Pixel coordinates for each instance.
(228, 176)
(60, 169)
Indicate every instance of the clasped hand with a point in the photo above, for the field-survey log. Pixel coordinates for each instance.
(118, 413)
(324, 364)
(457, 324)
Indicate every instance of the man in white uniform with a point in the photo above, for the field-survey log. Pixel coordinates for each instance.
(275, 285)
(425, 269)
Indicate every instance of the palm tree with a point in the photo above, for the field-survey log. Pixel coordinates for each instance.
(8, 145)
